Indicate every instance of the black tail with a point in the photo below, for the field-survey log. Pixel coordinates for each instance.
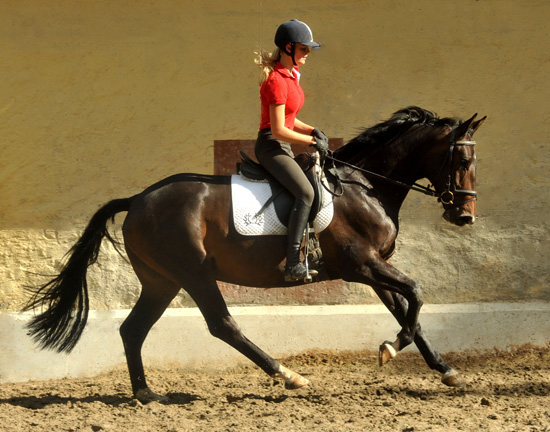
(65, 298)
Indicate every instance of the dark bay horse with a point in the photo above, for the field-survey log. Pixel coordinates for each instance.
(178, 233)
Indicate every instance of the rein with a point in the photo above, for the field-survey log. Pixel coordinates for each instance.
(426, 190)
(446, 197)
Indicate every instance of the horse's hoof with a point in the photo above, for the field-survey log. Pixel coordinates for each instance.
(292, 380)
(145, 396)
(386, 353)
(297, 382)
(452, 379)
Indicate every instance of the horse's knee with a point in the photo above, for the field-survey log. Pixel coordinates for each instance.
(420, 297)
(416, 297)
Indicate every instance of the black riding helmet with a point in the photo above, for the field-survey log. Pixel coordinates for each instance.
(293, 32)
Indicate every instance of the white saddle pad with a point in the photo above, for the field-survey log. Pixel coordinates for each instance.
(248, 197)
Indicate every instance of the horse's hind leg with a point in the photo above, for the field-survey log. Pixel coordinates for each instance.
(157, 293)
(207, 296)
(398, 306)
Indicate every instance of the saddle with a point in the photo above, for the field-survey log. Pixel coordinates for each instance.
(281, 197)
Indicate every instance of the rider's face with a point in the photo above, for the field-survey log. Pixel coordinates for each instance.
(300, 53)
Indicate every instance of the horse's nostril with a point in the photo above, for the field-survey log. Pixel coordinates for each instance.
(467, 220)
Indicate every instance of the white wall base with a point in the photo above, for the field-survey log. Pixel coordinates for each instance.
(181, 337)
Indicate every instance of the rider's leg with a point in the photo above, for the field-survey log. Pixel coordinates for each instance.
(277, 158)
(295, 269)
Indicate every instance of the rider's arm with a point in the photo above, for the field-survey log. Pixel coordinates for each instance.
(282, 133)
(300, 126)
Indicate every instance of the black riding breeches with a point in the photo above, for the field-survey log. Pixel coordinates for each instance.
(277, 158)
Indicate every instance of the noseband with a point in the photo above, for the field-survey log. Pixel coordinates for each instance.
(448, 195)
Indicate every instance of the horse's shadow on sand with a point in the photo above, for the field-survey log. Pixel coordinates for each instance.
(527, 389)
(118, 400)
(43, 401)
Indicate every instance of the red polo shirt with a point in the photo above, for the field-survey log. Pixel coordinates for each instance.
(281, 87)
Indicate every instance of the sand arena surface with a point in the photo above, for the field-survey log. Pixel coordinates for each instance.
(504, 391)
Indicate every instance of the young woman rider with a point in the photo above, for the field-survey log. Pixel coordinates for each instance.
(281, 99)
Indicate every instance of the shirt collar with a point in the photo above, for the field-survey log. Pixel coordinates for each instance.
(284, 71)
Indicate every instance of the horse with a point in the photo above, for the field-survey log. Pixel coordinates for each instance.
(178, 233)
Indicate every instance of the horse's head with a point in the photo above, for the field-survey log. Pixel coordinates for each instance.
(456, 180)
(413, 144)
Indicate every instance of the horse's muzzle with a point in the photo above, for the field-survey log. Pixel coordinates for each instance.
(459, 216)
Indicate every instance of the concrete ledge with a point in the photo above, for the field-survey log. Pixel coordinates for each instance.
(181, 338)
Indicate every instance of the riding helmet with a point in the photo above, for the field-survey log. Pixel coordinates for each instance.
(292, 32)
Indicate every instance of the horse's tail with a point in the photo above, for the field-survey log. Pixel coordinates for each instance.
(64, 299)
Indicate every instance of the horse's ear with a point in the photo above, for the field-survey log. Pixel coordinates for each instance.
(464, 127)
(476, 125)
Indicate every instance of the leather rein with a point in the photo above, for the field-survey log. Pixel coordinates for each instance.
(446, 197)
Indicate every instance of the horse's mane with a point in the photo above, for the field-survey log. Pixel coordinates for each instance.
(397, 125)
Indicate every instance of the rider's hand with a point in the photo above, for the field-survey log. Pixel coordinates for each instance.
(321, 141)
(319, 134)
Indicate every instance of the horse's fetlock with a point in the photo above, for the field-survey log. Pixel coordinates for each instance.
(406, 337)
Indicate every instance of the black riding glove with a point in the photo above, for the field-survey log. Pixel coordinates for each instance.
(319, 134)
(321, 141)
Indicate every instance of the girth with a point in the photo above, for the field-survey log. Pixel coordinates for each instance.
(281, 198)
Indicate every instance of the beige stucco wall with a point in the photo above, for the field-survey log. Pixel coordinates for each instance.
(98, 99)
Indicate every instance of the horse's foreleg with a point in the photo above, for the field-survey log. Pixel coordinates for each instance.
(384, 277)
(222, 325)
(398, 306)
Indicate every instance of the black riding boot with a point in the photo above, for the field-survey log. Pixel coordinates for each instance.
(295, 269)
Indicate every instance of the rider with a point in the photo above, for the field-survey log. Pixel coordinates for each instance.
(281, 99)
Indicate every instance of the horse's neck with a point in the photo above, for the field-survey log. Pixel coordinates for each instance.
(396, 162)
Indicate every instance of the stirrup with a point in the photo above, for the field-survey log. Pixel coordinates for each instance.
(299, 271)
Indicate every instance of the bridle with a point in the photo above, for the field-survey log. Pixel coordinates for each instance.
(446, 197)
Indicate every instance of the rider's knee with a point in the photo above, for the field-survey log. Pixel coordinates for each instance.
(307, 195)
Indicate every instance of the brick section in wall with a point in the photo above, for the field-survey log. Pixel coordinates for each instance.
(226, 159)
(226, 153)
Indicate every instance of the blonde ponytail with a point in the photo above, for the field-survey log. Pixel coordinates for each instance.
(267, 62)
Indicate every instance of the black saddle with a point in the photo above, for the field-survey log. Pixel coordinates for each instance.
(282, 198)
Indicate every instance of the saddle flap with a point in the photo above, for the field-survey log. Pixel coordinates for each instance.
(252, 217)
